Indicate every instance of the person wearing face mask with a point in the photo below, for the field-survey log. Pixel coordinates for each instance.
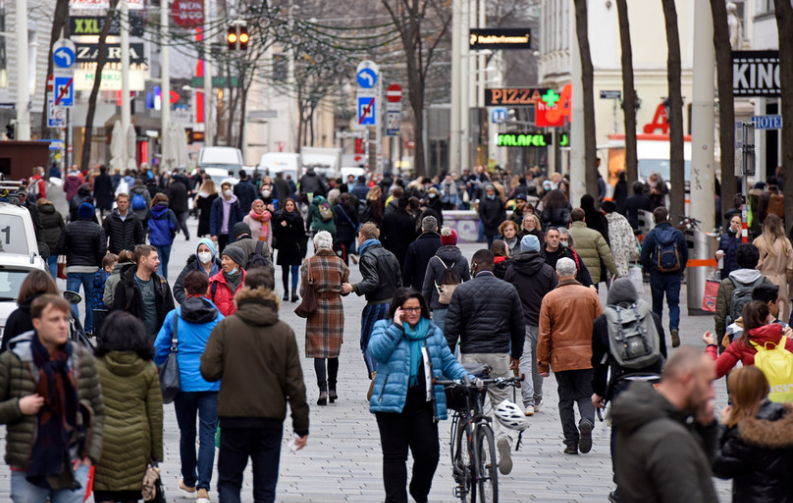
(226, 212)
(291, 242)
(224, 285)
(258, 219)
(435, 204)
(267, 195)
(204, 261)
(491, 213)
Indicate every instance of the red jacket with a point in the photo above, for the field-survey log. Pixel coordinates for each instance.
(224, 298)
(737, 351)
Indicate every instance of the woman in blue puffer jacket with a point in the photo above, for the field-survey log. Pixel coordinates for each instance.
(411, 352)
(162, 224)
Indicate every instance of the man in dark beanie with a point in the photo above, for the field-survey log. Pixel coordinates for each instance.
(250, 246)
(224, 285)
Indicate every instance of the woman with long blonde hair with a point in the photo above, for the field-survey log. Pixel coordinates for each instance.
(203, 202)
(373, 212)
(776, 259)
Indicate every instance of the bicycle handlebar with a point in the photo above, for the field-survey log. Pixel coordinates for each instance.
(465, 382)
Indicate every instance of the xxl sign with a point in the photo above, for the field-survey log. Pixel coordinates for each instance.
(92, 25)
(499, 38)
(513, 96)
(89, 53)
(755, 73)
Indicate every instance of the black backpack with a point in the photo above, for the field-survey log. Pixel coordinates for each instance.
(257, 259)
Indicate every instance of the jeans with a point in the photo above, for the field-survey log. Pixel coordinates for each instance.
(23, 491)
(499, 362)
(439, 318)
(73, 282)
(188, 404)
(263, 446)
(398, 432)
(531, 387)
(52, 263)
(371, 314)
(669, 284)
(490, 240)
(164, 251)
(181, 217)
(574, 386)
(285, 269)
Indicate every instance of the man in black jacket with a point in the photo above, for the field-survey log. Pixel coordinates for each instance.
(84, 244)
(398, 230)
(533, 278)
(245, 192)
(380, 270)
(553, 250)
(487, 317)
(123, 227)
(177, 195)
(638, 201)
(143, 292)
(420, 252)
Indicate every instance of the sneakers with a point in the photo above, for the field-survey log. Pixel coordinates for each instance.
(585, 444)
(504, 456)
(675, 337)
(529, 410)
(187, 492)
(538, 405)
(202, 497)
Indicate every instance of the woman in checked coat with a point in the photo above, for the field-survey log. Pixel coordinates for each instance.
(325, 328)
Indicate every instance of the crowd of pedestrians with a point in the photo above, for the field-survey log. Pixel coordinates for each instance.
(526, 304)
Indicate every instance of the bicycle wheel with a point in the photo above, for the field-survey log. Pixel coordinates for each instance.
(463, 466)
(486, 464)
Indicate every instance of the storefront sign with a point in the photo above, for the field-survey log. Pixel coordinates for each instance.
(111, 80)
(499, 38)
(89, 53)
(513, 96)
(102, 4)
(552, 109)
(524, 140)
(755, 73)
(92, 25)
(188, 13)
(659, 121)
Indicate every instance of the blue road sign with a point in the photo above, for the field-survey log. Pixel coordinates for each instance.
(366, 111)
(767, 121)
(64, 91)
(63, 57)
(367, 78)
(498, 115)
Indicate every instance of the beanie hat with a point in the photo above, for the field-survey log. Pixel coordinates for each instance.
(209, 243)
(86, 210)
(622, 290)
(235, 253)
(448, 237)
(529, 243)
(241, 228)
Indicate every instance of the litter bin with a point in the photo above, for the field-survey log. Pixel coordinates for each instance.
(701, 264)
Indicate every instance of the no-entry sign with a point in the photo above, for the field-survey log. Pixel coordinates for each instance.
(394, 93)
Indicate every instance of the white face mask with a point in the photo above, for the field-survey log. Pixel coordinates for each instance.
(227, 193)
(265, 193)
(205, 257)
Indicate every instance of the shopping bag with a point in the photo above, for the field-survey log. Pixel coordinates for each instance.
(635, 276)
(62, 266)
(709, 299)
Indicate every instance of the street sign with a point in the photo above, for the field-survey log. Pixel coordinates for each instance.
(63, 57)
(393, 93)
(767, 121)
(498, 115)
(367, 115)
(366, 74)
(393, 122)
(55, 115)
(610, 95)
(262, 115)
(64, 91)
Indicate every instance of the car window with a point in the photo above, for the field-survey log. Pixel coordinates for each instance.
(10, 283)
(13, 238)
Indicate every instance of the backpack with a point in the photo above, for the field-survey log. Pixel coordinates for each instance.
(325, 213)
(667, 257)
(138, 202)
(777, 365)
(741, 295)
(33, 190)
(633, 337)
(776, 205)
(257, 259)
(450, 280)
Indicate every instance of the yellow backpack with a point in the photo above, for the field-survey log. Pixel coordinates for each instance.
(777, 365)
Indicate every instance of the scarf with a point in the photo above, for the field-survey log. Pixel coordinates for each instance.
(263, 219)
(366, 244)
(56, 422)
(416, 337)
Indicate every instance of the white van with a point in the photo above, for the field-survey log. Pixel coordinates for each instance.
(280, 162)
(225, 158)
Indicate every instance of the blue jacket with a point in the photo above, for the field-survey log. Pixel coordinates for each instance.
(100, 278)
(162, 225)
(648, 258)
(216, 218)
(197, 317)
(391, 349)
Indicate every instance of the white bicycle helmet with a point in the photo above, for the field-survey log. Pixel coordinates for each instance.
(510, 415)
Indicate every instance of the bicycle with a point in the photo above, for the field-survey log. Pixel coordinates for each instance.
(472, 444)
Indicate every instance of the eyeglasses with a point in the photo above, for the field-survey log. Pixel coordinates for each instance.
(412, 309)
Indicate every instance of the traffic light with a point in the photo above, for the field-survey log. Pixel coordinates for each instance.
(243, 37)
(232, 38)
(10, 131)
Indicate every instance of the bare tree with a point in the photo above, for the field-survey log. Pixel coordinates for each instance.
(422, 25)
(628, 93)
(677, 162)
(100, 65)
(784, 20)
(588, 74)
(60, 20)
(721, 42)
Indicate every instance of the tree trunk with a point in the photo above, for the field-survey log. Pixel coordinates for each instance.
(677, 163)
(784, 20)
(588, 74)
(628, 94)
(721, 41)
(61, 19)
(100, 64)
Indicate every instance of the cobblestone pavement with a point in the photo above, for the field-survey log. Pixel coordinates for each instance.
(342, 461)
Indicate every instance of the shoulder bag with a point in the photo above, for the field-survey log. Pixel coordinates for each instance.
(170, 382)
(308, 304)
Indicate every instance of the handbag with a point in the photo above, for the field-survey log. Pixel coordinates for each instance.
(62, 266)
(153, 490)
(170, 382)
(308, 304)
(445, 289)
